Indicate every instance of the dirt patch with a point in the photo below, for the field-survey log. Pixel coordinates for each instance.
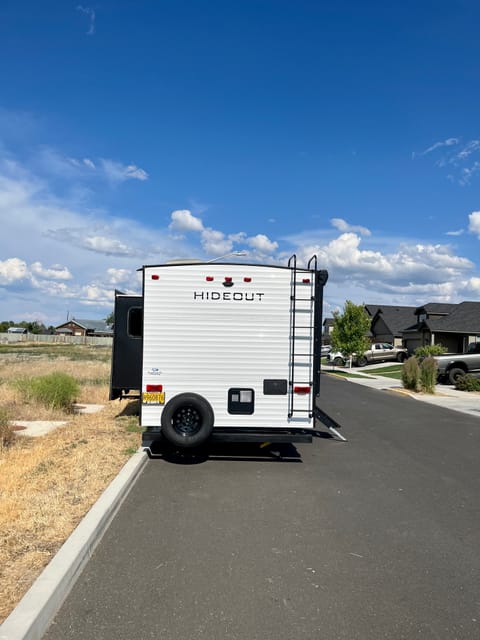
(48, 484)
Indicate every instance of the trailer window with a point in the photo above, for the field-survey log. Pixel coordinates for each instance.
(135, 322)
(241, 401)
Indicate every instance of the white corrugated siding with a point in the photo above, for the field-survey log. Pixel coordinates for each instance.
(207, 346)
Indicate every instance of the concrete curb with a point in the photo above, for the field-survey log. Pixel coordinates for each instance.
(34, 613)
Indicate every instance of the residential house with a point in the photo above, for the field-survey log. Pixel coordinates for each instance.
(454, 326)
(76, 327)
(389, 321)
(327, 330)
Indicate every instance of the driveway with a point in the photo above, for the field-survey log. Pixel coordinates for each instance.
(375, 538)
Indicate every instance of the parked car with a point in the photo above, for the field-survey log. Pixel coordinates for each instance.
(379, 352)
(325, 350)
(451, 366)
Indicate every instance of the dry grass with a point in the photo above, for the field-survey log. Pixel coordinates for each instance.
(48, 484)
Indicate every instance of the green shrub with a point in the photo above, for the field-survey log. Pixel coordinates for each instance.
(467, 383)
(428, 374)
(7, 433)
(411, 374)
(54, 391)
(430, 350)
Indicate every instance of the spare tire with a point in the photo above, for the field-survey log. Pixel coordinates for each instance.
(187, 420)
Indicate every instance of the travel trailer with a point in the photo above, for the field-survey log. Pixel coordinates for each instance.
(222, 351)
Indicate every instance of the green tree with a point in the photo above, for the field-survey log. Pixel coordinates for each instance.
(350, 328)
(110, 319)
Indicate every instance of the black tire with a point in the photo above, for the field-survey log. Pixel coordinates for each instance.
(338, 362)
(362, 361)
(187, 420)
(401, 357)
(454, 373)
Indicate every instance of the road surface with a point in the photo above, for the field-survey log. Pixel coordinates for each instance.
(375, 538)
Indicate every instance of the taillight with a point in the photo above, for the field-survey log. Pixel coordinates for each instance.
(301, 390)
(156, 388)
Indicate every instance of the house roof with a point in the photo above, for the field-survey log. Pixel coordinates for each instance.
(395, 317)
(436, 308)
(464, 318)
(97, 326)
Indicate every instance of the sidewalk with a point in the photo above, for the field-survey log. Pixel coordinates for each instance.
(445, 396)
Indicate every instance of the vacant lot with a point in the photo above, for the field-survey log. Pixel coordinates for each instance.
(47, 484)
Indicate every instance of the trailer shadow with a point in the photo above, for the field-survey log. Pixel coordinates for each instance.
(240, 452)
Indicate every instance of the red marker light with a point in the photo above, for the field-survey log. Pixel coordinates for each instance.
(306, 281)
(228, 279)
(301, 390)
(156, 388)
(247, 279)
(209, 278)
(155, 277)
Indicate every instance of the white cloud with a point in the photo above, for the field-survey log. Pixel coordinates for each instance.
(52, 163)
(108, 246)
(456, 161)
(262, 244)
(419, 263)
(12, 270)
(93, 294)
(119, 276)
(436, 145)
(84, 237)
(344, 226)
(467, 173)
(215, 242)
(55, 272)
(183, 220)
(89, 163)
(118, 172)
(459, 232)
(470, 147)
(474, 223)
(91, 18)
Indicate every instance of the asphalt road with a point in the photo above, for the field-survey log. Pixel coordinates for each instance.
(375, 538)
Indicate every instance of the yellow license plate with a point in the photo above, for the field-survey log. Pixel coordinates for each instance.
(153, 398)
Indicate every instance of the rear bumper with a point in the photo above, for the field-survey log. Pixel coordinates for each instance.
(243, 435)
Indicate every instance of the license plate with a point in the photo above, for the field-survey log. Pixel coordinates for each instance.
(153, 398)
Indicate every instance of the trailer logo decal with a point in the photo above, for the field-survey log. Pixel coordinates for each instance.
(236, 296)
(154, 371)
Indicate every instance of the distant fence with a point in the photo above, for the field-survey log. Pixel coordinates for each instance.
(8, 338)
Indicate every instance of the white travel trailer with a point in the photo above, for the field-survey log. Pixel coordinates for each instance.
(228, 351)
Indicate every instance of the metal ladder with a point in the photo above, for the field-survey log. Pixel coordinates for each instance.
(303, 317)
(302, 301)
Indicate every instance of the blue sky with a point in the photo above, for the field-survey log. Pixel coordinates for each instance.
(135, 132)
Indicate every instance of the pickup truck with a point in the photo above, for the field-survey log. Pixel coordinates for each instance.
(453, 365)
(378, 352)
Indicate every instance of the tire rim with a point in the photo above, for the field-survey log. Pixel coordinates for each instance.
(187, 421)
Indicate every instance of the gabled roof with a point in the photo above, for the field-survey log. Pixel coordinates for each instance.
(395, 317)
(464, 318)
(436, 308)
(97, 326)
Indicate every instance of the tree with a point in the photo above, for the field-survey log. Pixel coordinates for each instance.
(110, 319)
(350, 328)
